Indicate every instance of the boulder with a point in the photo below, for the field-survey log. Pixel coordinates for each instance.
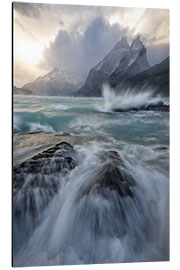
(112, 175)
(37, 180)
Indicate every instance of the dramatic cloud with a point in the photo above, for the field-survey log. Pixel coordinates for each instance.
(79, 52)
(154, 25)
(77, 37)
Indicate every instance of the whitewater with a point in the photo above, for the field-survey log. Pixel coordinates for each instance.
(95, 227)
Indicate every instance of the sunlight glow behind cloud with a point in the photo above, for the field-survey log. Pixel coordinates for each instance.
(87, 32)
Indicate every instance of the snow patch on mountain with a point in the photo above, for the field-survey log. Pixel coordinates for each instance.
(56, 82)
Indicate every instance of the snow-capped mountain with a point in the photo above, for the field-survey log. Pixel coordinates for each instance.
(56, 82)
(121, 61)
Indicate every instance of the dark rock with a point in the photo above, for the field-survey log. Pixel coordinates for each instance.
(64, 145)
(36, 180)
(161, 148)
(112, 175)
(31, 132)
(161, 107)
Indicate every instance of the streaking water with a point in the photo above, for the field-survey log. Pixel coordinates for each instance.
(127, 100)
(91, 229)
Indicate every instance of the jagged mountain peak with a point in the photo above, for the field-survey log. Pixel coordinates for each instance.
(59, 81)
(61, 75)
(122, 60)
(137, 44)
(55, 69)
(122, 44)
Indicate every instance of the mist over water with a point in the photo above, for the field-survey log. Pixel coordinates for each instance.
(96, 227)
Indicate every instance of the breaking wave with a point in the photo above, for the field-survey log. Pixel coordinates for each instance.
(38, 126)
(128, 100)
(60, 107)
(16, 124)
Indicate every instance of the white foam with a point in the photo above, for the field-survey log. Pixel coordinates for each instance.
(16, 123)
(126, 100)
(38, 126)
(60, 107)
(84, 125)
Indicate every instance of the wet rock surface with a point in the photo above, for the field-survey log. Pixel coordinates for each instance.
(36, 180)
(113, 176)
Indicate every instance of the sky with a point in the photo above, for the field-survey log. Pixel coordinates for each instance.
(77, 37)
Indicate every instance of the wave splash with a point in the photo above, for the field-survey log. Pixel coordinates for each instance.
(128, 100)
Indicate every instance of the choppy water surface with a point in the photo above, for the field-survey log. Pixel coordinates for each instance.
(92, 230)
(88, 116)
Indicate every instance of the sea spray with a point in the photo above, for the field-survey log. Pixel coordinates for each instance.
(127, 100)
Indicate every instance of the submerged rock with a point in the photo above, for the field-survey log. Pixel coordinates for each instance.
(161, 148)
(160, 106)
(157, 107)
(112, 175)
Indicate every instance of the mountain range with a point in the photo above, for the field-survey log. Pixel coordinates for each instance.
(22, 91)
(124, 67)
(155, 78)
(56, 82)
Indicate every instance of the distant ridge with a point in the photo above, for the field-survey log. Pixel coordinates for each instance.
(56, 82)
(156, 78)
(22, 91)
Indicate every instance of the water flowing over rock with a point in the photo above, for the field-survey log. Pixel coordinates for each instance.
(36, 181)
(65, 207)
(112, 175)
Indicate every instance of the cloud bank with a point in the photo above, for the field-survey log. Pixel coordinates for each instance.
(80, 52)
